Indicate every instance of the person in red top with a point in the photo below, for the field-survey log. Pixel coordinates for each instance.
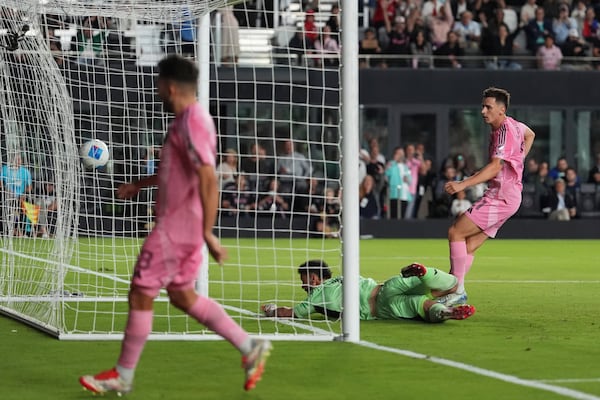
(311, 31)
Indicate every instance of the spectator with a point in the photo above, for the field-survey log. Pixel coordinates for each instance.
(560, 169)
(293, 169)
(440, 25)
(431, 8)
(398, 42)
(543, 181)
(398, 178)
(460, 6)
(578, 14)
(559, 204)
(563, 25)
(589, 30)
(551, 8)
(369, 205)
(230, 37)
(298, 46)
(573, 49)
(228, 168)
(48, 204)
(334, 23)
(594, 173)
(427, 179)
(442, 201)
(272, 203)
(375, 166)
(328, 46)
(507, 16)
(469, 31)
(258, 168)
(421, 51)
(311, 200)
(531, 170)
(236, 198)
(385, 12)
(537, 29)
(369, 45)
(329, 223)
(450, 53)
(311, 31)
(414, 161)
(89, 42)
(572, 182)
(549, 55)
(15, 184)
(528, 12)
(460, 204)
(460, 165)
(187, 34)
(502, 47)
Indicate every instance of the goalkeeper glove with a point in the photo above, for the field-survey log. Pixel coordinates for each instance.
(270, 309)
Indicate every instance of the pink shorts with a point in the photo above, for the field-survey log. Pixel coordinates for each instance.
(490, 213)
(164, 264)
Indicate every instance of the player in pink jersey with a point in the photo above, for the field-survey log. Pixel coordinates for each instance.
(510, 142)
(172, 254)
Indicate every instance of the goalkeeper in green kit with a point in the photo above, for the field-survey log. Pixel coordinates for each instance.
(412, 294)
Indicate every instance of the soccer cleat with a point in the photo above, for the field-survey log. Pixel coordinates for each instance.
(254, 362)
(452, 299)
(105, 381)
(463, 311)
(414, 269)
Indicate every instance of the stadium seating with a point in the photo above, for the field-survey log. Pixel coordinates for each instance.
(588, 200)
(531, 204)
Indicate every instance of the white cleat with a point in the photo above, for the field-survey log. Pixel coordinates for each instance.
(452, 299)
(254, 362)
(106, 381)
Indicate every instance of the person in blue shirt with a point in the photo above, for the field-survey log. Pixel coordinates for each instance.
(15, 184)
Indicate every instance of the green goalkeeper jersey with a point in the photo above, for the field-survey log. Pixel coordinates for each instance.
(327, 299)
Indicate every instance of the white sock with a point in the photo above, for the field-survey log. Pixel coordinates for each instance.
(461, 288)
(246, 346)
(126, 373)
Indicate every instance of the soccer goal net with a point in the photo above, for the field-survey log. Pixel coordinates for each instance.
(71, 71)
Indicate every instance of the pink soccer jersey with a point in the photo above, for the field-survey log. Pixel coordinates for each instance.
(191, 143)
(172, 253)
(507, 143)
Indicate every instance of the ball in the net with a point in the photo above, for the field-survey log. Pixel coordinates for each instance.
(94, 154)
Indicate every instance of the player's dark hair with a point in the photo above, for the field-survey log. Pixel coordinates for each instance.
(318, 267)
(178, 69)
(500, 95)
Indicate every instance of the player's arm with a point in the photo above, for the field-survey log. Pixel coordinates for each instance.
(128, 190)
(528, 142)
(209, 196)
(484, 175)
(271, 310)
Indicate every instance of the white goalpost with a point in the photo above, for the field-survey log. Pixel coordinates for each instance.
(74, 70)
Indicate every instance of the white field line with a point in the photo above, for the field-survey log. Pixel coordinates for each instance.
(571, 380)
(570, 393)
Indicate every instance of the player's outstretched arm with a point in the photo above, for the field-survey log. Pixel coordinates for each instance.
(128, 190)
(271, 310)
(484, 175)
(529, 138)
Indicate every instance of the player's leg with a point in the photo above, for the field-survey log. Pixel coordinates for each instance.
(212, 315)
(139, 325)
(459, 232)
(437, 312)
(438, 282)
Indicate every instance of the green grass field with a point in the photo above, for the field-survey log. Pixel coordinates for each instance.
(534, 336)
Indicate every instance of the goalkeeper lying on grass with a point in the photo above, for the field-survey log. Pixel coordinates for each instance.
(417, 293)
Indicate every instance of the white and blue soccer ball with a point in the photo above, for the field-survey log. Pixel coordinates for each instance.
(94, 154)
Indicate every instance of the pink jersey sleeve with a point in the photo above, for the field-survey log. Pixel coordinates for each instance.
(200, 138)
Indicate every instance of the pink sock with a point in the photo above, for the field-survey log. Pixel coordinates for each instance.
(139, 325)
(468, 263)
(458, 261)
(209, 313)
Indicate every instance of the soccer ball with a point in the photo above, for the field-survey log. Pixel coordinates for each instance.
(94, 154)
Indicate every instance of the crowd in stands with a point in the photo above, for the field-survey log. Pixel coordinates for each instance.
(492, 34)
(409, 185)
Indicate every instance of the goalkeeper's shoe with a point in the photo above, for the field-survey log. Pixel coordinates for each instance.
(106, 381)
(254, 362)
(414, 269)
(462, 311)
(453, 299)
